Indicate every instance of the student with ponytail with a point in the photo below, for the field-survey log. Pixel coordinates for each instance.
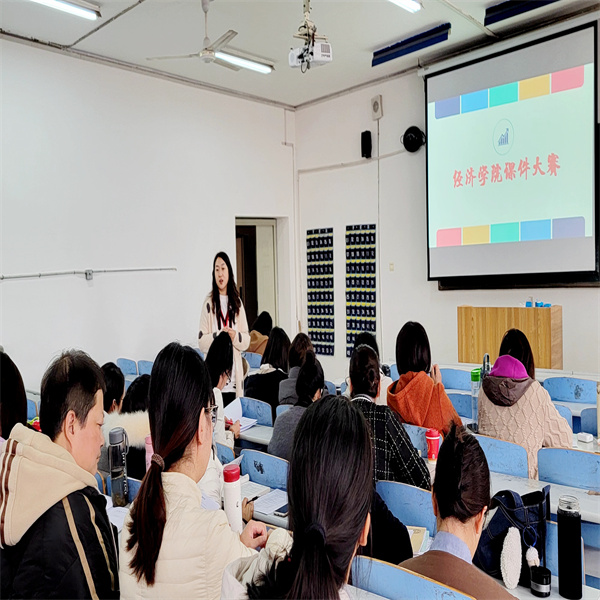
(329, 495)
(171, 547)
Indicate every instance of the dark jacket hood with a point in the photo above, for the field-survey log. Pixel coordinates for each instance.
(505, 391)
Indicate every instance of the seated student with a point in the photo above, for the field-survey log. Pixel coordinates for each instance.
(301, 344)
(133, 418)
(115, 387)
(514, 407)
(417, 397)
(264, 385)
(461, 496)
(368, 339)
(396, 459)
(171, 547)
(259, 333)
(329, 499)
(56, 538)
(309, 387)
(13, 399)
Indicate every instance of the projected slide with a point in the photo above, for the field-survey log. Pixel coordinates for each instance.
(511, 163)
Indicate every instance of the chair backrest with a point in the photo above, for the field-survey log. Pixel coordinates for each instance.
(394, 372)
(589, 421)
(410, 504)
(224, 453)
(331, 387)
(456, 379)
(565, 412)
(397, 583)
(133, 487)
(343, 386)
(461, 403)
(552, 550)
(200, 353)
(257, 409)
(31, 410)
(418, 438)
(253, 359)
(265, 469)
(504, 457)
(571, 389)
(127, 366)
(569, 467)
(101, 483)
(282, 408)
(145, 367)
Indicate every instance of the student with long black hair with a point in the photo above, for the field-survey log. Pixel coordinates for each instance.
(171, 547)
(329, 499)
(222, 310)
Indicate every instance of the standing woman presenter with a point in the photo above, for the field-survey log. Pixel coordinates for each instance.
(222, 310)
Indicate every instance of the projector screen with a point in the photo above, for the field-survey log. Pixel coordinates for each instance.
(511, 165)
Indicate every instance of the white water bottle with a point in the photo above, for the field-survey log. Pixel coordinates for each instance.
(232, 493)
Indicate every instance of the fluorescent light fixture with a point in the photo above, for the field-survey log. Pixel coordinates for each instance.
(85, 10)
(244, 63)
(411, 6)
(412, 44)
(511, 8)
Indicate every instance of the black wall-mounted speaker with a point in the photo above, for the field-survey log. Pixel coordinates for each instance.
(366, 145)
(413, 139)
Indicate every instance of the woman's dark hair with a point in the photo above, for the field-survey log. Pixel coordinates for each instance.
(70, 383)
(179, 389)
(278, 350)
(136, 396)
(364, 338)
(219, 358)
(516, 344)
(115, 384)
(310, 380)
(412, 349)
(301, 344)
(462, 476)
(263, 323)
(233, 296)
(330, 489)
(13, 399)
(364, 372)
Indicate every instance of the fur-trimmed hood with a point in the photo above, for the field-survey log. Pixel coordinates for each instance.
(137, 426)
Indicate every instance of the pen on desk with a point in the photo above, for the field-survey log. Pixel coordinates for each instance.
(253, 499)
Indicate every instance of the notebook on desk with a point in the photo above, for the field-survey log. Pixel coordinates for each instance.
(252, 490)
(270, 502)
(233, 412)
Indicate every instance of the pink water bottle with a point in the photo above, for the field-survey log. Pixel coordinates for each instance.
(149, 451)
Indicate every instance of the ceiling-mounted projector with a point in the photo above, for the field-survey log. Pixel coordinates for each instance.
(317, 54)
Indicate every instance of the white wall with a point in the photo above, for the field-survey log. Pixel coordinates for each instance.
(328, 134)
(103, 168)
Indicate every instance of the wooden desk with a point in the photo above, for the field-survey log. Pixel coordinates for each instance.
(480, 330)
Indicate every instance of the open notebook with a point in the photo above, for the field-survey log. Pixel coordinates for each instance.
(233, 412)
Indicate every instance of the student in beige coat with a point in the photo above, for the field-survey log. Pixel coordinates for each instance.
(222, 310)
(171, 547)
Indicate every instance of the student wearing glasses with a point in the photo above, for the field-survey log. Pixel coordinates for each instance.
(171, 547)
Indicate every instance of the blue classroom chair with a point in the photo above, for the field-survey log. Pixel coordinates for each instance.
(410, 504)
(200, 353)
(253, 359)
(127, 366)
(257, 409)
(394, 372)
(461, 403)
(504, 457)
(331, 387)
(565, 412)
(31, 411)
(101, 483)
(571, 389)
(589, 421)
(144, 367)
(281, 409)
(397, 583)
(224, 453)
(265, 469)
(575, 468)
(456, 379)
(343, 386)
(417, 436)
(133, 487)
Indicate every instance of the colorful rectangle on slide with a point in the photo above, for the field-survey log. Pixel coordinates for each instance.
(447, 107)
(536, 230)
(568, 227)
(534, 87)
(504, 232)
(569, 79)
(448, 237)
(480, 234)
(474, 101)
(504, 94)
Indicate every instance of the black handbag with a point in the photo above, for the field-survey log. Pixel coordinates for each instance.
(528, 514)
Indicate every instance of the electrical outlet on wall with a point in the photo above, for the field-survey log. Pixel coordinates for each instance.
(376, 107)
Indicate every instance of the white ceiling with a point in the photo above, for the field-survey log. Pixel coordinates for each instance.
(144, 28)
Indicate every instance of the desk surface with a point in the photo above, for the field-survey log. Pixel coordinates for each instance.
(586, 447)
(523, 593)
(258, 434)
(574, 407)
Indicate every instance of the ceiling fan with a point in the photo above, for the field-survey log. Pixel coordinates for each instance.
(211, 51)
